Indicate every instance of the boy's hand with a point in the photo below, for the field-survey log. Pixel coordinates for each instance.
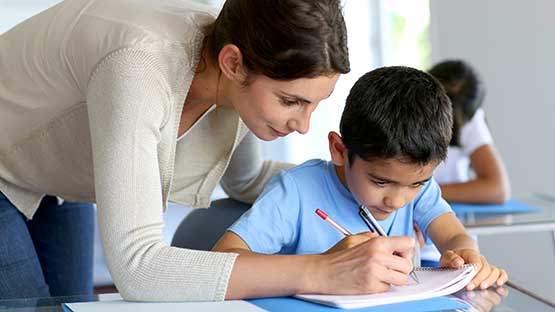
(351, 241)
(487, 274)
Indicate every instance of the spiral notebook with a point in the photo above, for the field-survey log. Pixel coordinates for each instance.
(434, 282)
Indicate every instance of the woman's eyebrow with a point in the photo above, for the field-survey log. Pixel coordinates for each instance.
(302, 99)
(298, 97)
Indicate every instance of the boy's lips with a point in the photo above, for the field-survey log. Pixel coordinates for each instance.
(383, 210)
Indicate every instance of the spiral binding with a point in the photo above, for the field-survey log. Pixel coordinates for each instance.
(442, 269)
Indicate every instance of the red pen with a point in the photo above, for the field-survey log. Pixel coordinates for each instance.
(329, 220)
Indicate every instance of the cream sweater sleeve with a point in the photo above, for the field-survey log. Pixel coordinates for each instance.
(248, 173)
(128, 99)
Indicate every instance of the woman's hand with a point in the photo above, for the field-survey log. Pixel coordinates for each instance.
(419, 235)
(487, 275)
(369, 266)
(351, 241)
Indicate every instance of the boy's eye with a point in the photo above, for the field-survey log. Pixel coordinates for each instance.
(419, 184)
(289, 102)
(380, 183)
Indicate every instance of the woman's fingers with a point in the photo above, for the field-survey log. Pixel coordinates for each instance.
(402, 246)
(369, 267)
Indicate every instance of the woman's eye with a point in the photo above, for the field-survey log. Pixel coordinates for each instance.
(289, 102)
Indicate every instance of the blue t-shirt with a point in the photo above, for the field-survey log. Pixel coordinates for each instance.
(283, 218)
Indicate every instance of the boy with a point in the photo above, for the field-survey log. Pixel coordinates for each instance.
(395, 130)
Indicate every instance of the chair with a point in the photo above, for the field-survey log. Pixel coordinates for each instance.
(202, 228)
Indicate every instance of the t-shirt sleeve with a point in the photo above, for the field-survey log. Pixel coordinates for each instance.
(429, 205)
(475, 133)
(272, 222)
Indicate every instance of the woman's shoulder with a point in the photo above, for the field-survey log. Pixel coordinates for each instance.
(174, 21)
(171, 31)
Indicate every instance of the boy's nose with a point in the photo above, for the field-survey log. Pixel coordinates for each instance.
(395, 201)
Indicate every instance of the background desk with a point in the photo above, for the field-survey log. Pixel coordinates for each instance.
(521, 243)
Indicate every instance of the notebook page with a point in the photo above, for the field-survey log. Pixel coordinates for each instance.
(433, 283)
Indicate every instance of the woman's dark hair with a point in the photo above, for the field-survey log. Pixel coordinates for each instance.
(283, 39)
(397, 112)
(465, 90)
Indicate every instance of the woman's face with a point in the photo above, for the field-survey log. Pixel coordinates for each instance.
(274, 108)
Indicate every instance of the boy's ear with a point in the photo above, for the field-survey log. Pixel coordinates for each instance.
(230, 60)
(338, 150)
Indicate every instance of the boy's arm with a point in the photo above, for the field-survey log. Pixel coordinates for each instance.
(458, 248)
(447, 233)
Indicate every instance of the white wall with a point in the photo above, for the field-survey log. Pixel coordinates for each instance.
(511, 43)
(13, 12)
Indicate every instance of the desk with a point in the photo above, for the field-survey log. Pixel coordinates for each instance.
(521, 243)
(481, 301)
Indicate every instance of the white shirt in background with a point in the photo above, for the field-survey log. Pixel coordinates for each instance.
(455, 169)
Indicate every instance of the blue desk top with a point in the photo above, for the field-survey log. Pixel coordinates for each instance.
(511, 206)
(291, 304)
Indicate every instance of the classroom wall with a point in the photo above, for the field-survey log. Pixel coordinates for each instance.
(511, 43)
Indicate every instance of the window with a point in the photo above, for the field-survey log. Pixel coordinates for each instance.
(405, 35)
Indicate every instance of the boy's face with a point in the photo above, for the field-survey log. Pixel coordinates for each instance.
(383, 185)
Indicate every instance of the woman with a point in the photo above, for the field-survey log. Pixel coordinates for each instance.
(112, 101)
(472, 145)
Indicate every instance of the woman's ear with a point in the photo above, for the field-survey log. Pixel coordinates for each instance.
(230, 60)
(338, 150)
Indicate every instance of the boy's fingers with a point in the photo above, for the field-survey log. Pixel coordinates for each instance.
(451, 259)
(491, 279)
(482, 274)
(476, 259)
(457, 261)
(503, 277)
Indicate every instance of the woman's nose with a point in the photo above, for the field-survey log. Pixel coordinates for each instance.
(302, 122)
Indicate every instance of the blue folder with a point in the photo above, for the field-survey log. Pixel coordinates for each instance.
(511, 206)
(428, 305)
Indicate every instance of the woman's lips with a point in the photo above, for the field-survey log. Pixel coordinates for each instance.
(279, 133)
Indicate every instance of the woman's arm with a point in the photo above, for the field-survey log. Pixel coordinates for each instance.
(128, 102)
(491, 185)
(368, 267)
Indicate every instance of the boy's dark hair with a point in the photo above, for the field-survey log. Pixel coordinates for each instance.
(397, 112)
(464, 88)
(283, 39)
